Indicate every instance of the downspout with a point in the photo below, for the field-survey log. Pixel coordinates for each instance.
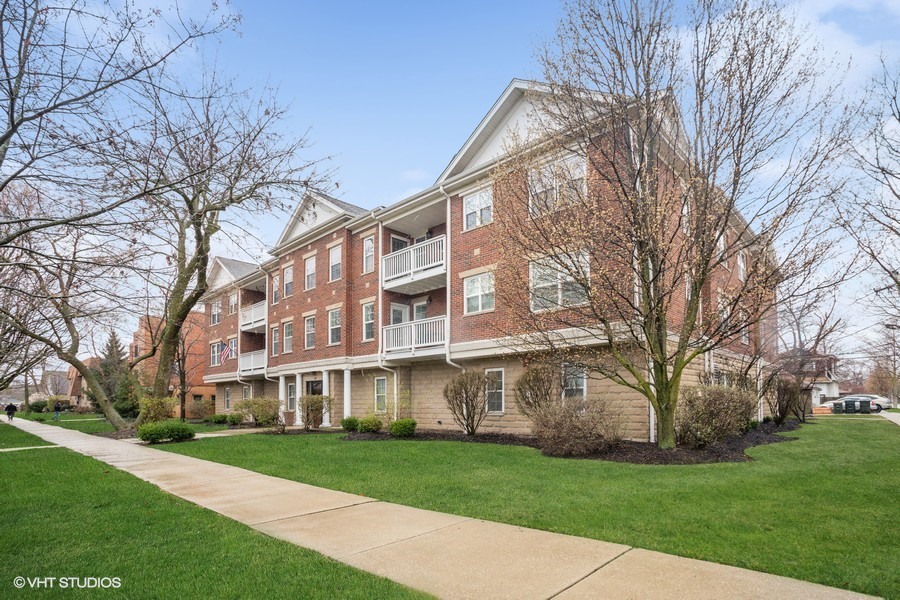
(448, 310)
(237, 372)
(381, 314)
(266, 334)
(652, 378)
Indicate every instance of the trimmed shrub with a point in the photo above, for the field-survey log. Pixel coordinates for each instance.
(161, 431)
(709, 414)
(403, 428)
(40, 418)
(157, 409)
(235, 418)
(38, 406)
(466, 400)
(350, 424)
(767, 419)
(312, 408)
(261, 411)
(369, 425)
(83, 410)
(217, 419)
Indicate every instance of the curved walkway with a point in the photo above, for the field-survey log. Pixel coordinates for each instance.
(445, 555)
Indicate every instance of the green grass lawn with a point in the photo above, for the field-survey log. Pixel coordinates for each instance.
(10, 437)
(73, 516)
(818, 508)
(96, 423)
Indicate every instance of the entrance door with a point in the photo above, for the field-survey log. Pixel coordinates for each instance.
(399, 313)
(314, 388)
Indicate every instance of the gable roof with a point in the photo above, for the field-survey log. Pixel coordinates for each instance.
(224, 271)
(304, 219)
(237, 268)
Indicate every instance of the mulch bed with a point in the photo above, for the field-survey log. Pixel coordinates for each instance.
(643, 453)
(118, 435)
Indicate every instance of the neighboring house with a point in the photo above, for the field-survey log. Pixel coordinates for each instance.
(76, 393)
(815, 371)
(194, 347)
(381, 308)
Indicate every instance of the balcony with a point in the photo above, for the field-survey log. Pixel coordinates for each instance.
(252, 363)
(415, 338)
(253, 318)
(417, 268)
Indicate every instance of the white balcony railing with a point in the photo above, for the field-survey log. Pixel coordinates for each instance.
(412, 335)
(414, 259)
(252, 362)
(254, 315)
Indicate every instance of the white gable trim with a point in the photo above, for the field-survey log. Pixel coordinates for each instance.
(301, 206)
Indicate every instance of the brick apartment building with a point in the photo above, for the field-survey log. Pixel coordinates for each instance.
(380, 308)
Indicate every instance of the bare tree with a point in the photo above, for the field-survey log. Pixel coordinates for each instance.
(884, 355)
(678, 175)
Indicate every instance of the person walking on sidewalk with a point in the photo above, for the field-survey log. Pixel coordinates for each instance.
(56, 408)
(10, 411)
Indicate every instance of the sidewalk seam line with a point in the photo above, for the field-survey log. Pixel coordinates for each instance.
(576, 582)
(412, 537)
(318, 512)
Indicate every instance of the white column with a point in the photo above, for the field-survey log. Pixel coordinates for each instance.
(347, 405)
(298, 379)
(282, 395)
(326, 391)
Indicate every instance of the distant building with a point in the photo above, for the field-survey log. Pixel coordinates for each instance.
(816, 372)
(75, 391)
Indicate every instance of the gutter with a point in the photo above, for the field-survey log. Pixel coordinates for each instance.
(447, 255)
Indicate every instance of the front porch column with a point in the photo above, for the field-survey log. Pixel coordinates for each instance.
(282, 396)
(326, 391)
(347, 404)
(298, 418)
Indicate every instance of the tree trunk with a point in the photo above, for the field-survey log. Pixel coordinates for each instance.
(665, 427)
(111, 414)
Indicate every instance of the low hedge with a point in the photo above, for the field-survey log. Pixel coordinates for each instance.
(156, 432)
(217, 419)
(403, 428)
(369, 425)
(350, 424)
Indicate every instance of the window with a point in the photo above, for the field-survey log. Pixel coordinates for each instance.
(553, 284)
(479, 292)
(334, 263)
(227, 398)
(369, 254)
(275, 341)
(574, 382)
(276, 289)
(292, 397)
(380, 394)
(288, 338)
(288, 281)
(742, 266)
(368, 318)
(232, 303)
(686, 216)
(493, 391)
(478, 209)
(420, 311)
(136, 351)
(310, 271)
(232, 348)
(215, 312)
(334, 326)
(720, 247)
(745, 329)
(556, 184)
(398, 243)
(215, 354)
(246, 392)
(309, 332)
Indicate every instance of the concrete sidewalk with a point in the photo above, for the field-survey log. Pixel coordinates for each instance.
(894, 417)
(445, 555)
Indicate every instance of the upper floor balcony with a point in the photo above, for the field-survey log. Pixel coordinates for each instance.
(417, 268)
(252, 363)
(425, 337)
(253, 318)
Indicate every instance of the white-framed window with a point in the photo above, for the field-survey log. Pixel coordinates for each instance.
(420, 310)
(686, 216)
(380, 394)
(556, 184)
(215, 312)
(334, 326)
(288, 341)
(742, 266)
(574, 382)
(292, 397)
(687, 287)
(288, 281)
(215, 354)
(310, 273)
(478, 209)
(232, 303)
(334, 262)
(553, 283)
(232, 348)
(369, 254)
(276, 289)
(228, 398)
(398, 243)
(309, 332)
(720, 246)
(493, 390)
(246, 392)
(745, 329)
(368, 320)
(275, 341)
(479, 293)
